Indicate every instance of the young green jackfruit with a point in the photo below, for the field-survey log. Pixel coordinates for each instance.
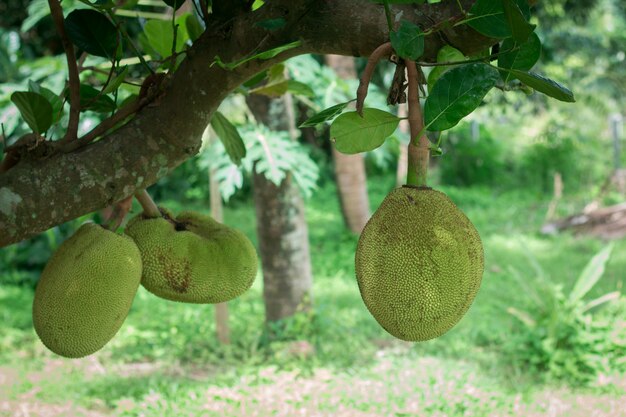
(193, 258)
(86, 291)
(419, 263)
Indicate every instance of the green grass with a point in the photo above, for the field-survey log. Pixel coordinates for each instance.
(184, 370)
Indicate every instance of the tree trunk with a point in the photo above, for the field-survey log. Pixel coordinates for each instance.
(350, 169)
(222, 329)
(281, 226)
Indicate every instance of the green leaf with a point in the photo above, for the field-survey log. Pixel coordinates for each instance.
(487, 17)
(325, 115)
(399, 1)
(408, 41)
(591, 274)
(115, 83)
(35, 109)
(55, 101)
(458, 93)
(544, 85)
(100, 4)
(519, 26)
(174, 3)
(352, 133)
(269, 54)
(92, 32)
(160, 35)
(445, 54)
(279, 88)
(91, 99)
(299, 89)
(521, 56)
(194, 27)
(229, 136)
(271, 24)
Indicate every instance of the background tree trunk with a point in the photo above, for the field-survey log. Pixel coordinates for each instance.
(281, 226)
(222, 330)
(350, 169)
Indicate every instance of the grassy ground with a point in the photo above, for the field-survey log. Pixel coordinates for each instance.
(334, 361)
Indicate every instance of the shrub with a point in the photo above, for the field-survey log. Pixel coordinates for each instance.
(562, 337)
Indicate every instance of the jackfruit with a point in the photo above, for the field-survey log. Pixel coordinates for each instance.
(86, 291)
(193, 258)
(419, 263)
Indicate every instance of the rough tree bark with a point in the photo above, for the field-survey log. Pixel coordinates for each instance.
(350, 169)
(41, 192)
(281, 225)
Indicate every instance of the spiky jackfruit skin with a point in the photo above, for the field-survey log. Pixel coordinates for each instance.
(419, 263)
(86, 291)
(193, 258)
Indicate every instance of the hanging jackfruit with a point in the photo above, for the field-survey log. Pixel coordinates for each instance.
(86, 291)
(193, 258)
(419, 263)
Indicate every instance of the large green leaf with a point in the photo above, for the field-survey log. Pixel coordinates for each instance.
(228, 134)
(352, 133)
(325, 115)
(544, 85)
(488, 18)
(91, 99)
(35, 109)
(160, 35)
(591, 274)
(194, 27)
(54, 100)
(92, 32)
(519, 26)
(408, 41)
(445, 54)
(457, 93)
(520, 56)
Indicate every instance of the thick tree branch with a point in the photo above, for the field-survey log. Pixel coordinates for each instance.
(40, 193)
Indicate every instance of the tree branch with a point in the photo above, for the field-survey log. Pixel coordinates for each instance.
(37, 194)
(57, 16)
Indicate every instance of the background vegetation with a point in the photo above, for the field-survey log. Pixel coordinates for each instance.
(534, 342)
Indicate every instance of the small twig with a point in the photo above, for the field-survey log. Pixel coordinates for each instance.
(205, 12)
(115, 215)
(173, 57)
(491, 57)
(72, 126)
(107, 124)
(388, 15)
(148, 205)
(458, 2)
(419, 146)
(129, 40)
(380, 52)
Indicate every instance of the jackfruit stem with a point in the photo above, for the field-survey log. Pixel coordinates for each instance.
(419, 149)
(150, 209)
(382, 51)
